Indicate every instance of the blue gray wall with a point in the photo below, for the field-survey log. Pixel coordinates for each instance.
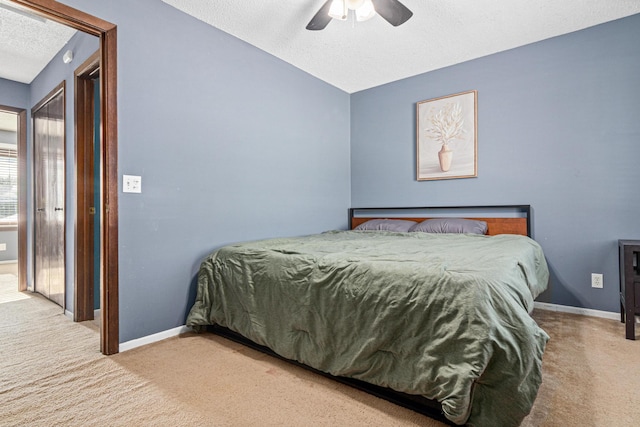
(14, 94)
(558, 128)
(9, 238)
(232, 144)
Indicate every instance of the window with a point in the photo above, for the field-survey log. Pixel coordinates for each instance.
(8, 186)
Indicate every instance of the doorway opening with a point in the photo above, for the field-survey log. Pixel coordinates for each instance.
(58, 12)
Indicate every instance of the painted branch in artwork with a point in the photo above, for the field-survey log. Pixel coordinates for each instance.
(447, 124)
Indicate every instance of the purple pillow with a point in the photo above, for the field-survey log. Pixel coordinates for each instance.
(400, 225)
(451, 225)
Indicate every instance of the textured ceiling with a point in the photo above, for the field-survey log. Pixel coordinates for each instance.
(27, 45)
(358, 56)
(349, 56)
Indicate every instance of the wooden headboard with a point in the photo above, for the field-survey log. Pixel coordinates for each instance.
(519, 223)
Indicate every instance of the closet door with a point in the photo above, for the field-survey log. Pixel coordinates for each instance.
(49, 142)
(41, 170)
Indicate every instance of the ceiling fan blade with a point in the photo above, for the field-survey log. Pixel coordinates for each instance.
(394, 12)
(320, 19)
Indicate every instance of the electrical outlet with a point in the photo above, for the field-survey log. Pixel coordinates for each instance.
(131, 184)
(596, 280)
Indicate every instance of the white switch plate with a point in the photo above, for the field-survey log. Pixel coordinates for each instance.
(3, 246)
(131, 184)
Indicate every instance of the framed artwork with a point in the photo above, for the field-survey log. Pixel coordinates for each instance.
(446, 137)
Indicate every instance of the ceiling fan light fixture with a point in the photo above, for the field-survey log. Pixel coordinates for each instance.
(392, 11)
(339, 10)
(366, 11)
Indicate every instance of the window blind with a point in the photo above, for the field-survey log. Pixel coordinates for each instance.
(8, 184)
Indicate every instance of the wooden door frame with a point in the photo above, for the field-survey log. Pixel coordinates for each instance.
(21, 114)
(107, 32)
(84, 76)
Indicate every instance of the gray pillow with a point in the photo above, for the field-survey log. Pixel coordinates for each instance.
(451, 225)
(387, 225)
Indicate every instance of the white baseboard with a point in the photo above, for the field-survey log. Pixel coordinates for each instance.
(139, 342)
(69, 314)
(577, 310)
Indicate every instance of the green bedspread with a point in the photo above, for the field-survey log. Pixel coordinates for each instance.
(439, 315)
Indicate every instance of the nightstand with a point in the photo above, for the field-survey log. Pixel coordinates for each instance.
(629, 255)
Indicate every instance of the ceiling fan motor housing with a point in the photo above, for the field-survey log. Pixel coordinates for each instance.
(354, 4)
(363, 9)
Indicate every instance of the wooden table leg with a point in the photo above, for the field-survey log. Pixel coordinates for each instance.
(630, 326)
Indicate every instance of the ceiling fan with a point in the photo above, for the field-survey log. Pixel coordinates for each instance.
(392, 11)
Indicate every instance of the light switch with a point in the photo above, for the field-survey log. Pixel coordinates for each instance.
(131, 184)
(3, 246)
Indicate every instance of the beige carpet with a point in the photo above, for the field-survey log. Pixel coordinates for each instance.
(51, 373)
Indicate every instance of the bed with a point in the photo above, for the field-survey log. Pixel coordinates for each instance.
(427, 317)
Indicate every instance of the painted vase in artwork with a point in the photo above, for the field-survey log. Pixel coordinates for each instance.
(447, 125)
(445, 156)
